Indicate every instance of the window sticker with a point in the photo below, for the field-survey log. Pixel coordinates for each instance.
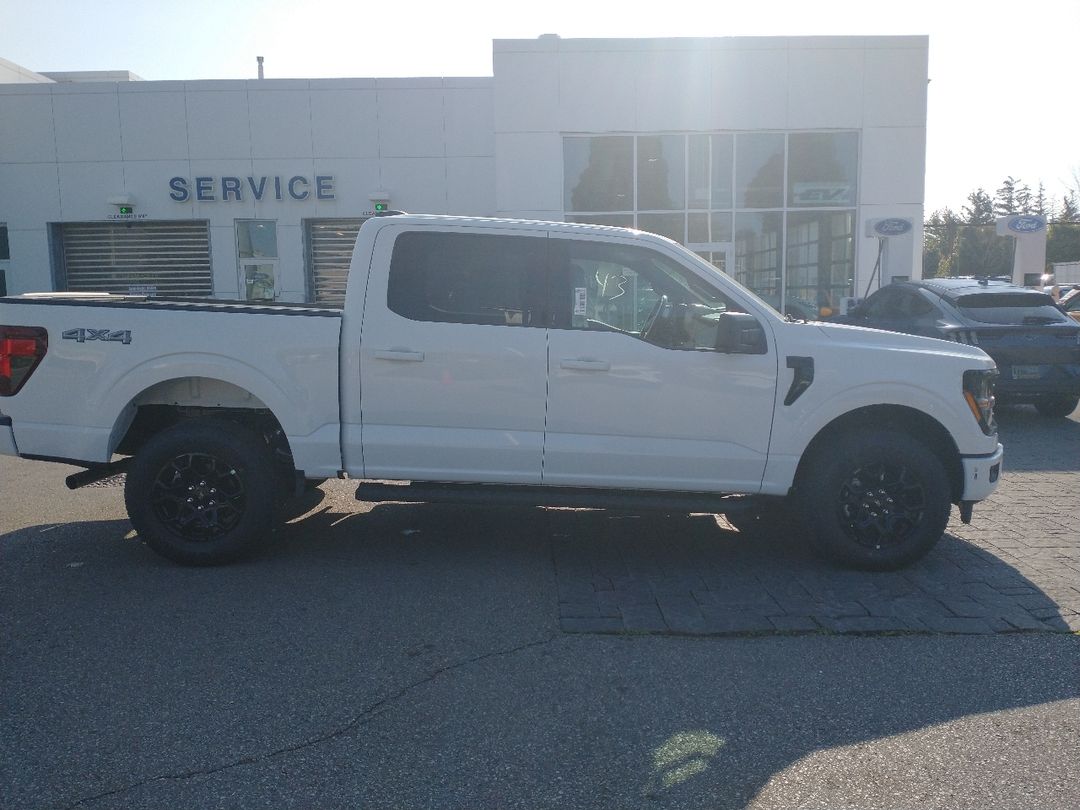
(580, 300)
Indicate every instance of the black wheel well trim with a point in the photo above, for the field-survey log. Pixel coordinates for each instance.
(912, 422)
(151, 419)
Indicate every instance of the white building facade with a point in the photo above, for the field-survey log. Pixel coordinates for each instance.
(773, 157)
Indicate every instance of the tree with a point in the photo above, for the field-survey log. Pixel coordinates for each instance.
(1005, 198)
(1043, 205)
(980, 210)
(941, 232)
(1070, 209)
(1023, 199)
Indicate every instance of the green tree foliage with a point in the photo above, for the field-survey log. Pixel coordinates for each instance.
(967, 243)
(980, 208)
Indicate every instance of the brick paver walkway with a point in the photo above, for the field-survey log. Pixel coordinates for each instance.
(1015, 568)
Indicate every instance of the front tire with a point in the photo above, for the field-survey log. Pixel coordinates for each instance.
(203, 492)
(875, 499)
(1057, 407)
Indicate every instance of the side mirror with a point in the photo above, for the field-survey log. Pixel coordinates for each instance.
(739, 333)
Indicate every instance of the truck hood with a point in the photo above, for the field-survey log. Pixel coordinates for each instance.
(880, 339)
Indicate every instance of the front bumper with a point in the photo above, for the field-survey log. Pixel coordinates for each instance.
(7, 438)
(981, 475)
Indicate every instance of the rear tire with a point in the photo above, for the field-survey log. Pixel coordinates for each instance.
(1057, 407)
(202, 492)
(875, 499)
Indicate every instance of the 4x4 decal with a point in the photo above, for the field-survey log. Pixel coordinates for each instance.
(107, 335)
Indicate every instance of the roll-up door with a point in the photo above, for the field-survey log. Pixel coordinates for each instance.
(152, 258)
(330, 246)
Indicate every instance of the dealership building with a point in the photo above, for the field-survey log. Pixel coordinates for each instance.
(794, 164)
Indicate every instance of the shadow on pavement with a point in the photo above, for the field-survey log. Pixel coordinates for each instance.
(408, 657)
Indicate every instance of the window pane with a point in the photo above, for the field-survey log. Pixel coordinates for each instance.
(616, 220)
(821, 257)
(258, 281)
(697, 171)
(5, 251)
(722, 187)
(759, 173)
(598, 174)
(697, 229)
(661, 180)
(468, 278)
(822, 169)
(618, 288)
(256, 240)
(669, 225)
(758, 241)
(721, 227)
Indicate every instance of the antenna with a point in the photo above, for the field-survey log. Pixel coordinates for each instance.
(259, 59)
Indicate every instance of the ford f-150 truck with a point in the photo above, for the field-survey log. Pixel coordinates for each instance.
(502, 362)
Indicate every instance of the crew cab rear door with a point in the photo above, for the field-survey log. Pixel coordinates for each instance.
(453, 355)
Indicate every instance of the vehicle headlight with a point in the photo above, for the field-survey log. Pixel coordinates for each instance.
(979, 393)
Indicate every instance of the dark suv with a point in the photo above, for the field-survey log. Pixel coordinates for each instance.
(1036, 347)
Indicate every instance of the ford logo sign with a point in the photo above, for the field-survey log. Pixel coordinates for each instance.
(1027, 224)
(892, 227)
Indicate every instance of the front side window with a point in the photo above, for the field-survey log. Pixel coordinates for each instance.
(599, 286)
(468, 278)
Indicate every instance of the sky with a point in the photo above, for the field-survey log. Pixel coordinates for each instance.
(1004, 76)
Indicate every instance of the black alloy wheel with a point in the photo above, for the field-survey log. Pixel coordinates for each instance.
(203, 492)
(874, 499)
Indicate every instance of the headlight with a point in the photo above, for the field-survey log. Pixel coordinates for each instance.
(979, 393)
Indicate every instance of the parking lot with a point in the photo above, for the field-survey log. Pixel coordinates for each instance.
(419, 655)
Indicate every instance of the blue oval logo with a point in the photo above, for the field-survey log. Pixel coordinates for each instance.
(1026, 224)
(892, 227)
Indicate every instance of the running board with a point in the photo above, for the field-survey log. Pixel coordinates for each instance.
(566, 497)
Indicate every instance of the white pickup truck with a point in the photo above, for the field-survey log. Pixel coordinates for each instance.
(503, 362)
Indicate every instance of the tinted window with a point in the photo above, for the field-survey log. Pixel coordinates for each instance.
(599, 173)
(1020, 307)
(468, 278)
(5, 253)
(884, 305)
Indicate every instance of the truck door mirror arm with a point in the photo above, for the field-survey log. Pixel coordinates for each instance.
(740, 333)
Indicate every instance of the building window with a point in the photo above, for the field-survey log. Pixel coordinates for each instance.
(5, 250)
(736, 199)
(257, 256)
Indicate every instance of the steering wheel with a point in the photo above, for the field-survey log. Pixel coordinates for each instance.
(654, 316)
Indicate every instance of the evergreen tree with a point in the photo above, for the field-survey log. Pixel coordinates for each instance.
(1043, 205)
(940, 235)
(1005, 198)
(1023, 199)
(980, 208)
(1070, 209)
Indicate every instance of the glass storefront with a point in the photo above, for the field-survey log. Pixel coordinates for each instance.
(775, 210)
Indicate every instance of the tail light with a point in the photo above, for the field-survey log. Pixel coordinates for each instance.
(22, 349)
(979, 393)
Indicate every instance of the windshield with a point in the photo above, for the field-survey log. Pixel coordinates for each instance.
(1010, 308)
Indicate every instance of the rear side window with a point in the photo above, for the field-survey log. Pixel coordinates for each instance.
(468, 278)
(1011, 308)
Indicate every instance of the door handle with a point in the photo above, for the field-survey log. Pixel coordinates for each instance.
(585, 364)
(400, 355)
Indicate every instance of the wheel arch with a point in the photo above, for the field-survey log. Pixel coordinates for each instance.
(168, 402)
(900, 418)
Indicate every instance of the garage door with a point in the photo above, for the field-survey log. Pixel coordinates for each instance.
(153, 258)
(330, 245)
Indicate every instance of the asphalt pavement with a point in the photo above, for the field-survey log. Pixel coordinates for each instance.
(420, 656)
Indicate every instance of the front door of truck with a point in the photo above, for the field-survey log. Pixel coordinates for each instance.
(637, 395)
(453, 356)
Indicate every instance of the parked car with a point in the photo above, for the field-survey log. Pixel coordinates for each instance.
(1036, 347)
(1069, 302)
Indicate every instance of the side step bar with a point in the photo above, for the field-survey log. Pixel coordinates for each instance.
(97, 473)
(569, 497)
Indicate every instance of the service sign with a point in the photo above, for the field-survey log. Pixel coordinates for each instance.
(822, 194)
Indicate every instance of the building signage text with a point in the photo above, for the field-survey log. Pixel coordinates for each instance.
(1027, 223)
(238, 189)
(892, 227)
